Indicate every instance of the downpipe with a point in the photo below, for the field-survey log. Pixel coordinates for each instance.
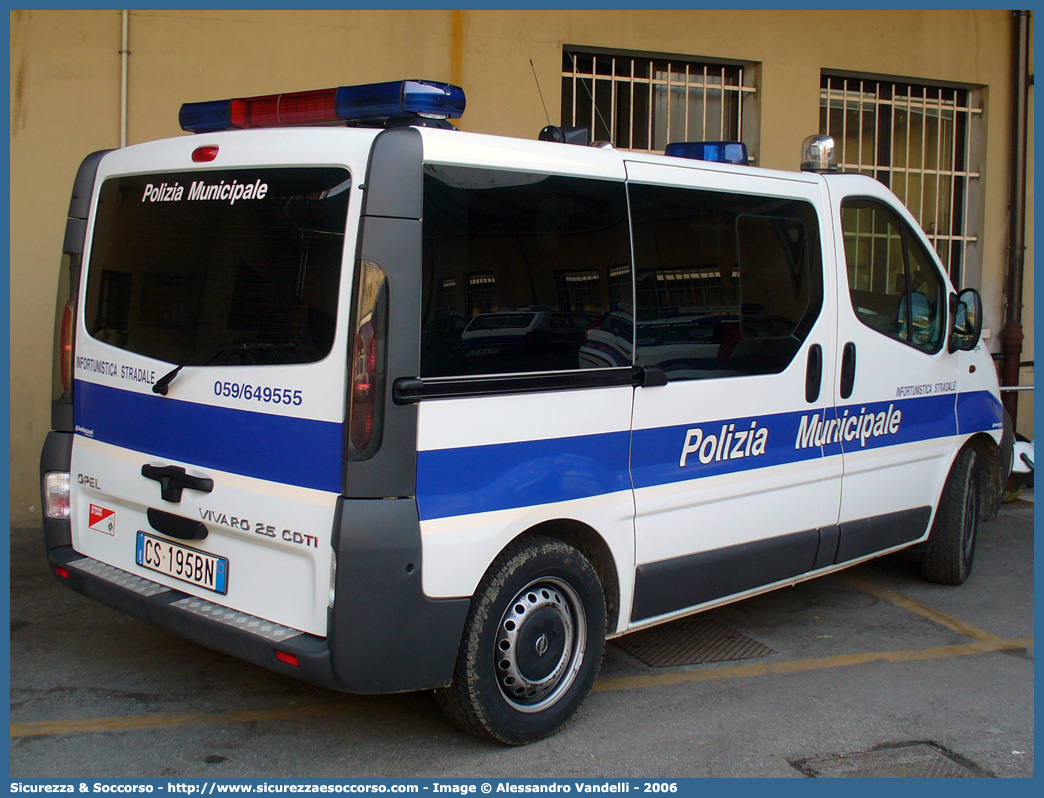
(1011, 336)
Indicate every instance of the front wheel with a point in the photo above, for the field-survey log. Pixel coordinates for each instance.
(532, 644)
(951, 544)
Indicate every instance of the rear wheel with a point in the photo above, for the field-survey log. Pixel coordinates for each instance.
(951, 544)
(532, 644)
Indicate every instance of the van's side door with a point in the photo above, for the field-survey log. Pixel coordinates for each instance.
(896, 388)
(734, 308)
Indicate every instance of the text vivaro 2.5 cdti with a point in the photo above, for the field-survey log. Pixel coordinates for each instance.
(387, 406)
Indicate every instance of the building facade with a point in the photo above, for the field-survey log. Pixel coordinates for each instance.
(921, 100)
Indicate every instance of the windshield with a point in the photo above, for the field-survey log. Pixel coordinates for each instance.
(244, 263)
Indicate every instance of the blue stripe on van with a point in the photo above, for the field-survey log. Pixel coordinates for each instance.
(293, 451)
(479, 479)
(505, 476)
(734, 445)
(979, 411)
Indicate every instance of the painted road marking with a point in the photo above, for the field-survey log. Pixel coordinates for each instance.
(334, 708)
(984, 643)
(916, 607)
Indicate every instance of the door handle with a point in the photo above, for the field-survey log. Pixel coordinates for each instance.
(175, 526)
(848, 370)
(174, 479)
(814, 373)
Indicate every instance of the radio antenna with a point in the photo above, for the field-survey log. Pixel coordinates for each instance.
(540, 92)
(594, 105)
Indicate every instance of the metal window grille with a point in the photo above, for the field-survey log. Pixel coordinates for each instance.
(918, 141)
(482, 294)
(704, 289)
(579, 290)
(644, 103)
(445, 303)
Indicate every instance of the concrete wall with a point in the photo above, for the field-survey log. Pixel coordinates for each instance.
(65, 102)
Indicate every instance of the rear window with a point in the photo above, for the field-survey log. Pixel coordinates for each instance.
(219, 267)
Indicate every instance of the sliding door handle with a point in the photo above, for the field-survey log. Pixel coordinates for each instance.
(848, 370)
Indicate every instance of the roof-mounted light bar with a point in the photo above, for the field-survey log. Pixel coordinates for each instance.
(346, 104)
(734, 152)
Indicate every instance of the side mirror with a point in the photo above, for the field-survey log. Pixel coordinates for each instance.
(966, 327)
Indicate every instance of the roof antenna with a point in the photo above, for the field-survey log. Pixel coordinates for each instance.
(540, 92)
(562, 135)
(594, 105)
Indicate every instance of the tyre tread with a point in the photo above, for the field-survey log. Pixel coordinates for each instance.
(461, 702)
(944, 561)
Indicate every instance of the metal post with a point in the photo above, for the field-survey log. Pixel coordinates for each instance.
(1011, 336)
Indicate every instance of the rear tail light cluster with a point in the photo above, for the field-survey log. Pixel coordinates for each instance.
(65, 328)
(56, 494)
(65, 345)
(366, 401)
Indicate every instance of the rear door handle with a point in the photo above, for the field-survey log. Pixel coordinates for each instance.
(173, 480)
(848, 370)
(175, 526)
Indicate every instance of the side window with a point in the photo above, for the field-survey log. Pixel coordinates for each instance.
(727, 284)
(893, 284)
(523, 273)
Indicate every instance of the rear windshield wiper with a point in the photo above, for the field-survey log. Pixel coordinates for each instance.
(206, 356)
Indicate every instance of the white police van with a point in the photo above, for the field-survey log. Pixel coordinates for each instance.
(278, 432)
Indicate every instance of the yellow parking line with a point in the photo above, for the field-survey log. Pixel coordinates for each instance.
(923, 610)
(802, 665)
(162, 720)
(356, 706)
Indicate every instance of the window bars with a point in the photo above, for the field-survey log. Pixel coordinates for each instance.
(644, 103)
(917, 140)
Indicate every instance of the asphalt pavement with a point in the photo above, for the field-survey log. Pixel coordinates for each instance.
(868, 672)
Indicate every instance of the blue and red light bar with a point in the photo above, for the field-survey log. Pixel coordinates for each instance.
(400, 98)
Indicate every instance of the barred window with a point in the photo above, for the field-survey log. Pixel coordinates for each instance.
(919, 141)
(644, 102)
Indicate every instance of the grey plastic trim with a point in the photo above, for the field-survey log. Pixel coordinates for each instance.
(83, 188)
(394, 179)
(56, 456)
(390, 236)
(680, 582)
(171, 609)
(385, 634)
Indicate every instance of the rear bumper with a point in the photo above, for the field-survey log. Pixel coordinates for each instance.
(241, 635)
(385, 635)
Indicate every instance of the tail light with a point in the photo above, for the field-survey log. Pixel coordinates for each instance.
(366, 400)
(364, 385)
(65, 328)
(65, 346)
(56, 494)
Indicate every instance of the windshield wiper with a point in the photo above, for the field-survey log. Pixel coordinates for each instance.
(160, 386)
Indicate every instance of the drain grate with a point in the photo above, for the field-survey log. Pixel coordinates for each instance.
(693, 641)
(910, 760)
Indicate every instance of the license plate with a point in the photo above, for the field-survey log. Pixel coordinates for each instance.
(181, 562)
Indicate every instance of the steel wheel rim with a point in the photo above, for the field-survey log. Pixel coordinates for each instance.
(544, 610)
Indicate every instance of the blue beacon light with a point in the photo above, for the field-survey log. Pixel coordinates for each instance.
(733, 152)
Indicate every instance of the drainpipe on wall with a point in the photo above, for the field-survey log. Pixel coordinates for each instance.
(124, 52)
(1011, 336)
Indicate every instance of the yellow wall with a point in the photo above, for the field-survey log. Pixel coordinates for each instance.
(65, 83)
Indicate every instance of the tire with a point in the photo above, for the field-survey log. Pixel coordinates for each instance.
(532, 645)
(955, 531)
